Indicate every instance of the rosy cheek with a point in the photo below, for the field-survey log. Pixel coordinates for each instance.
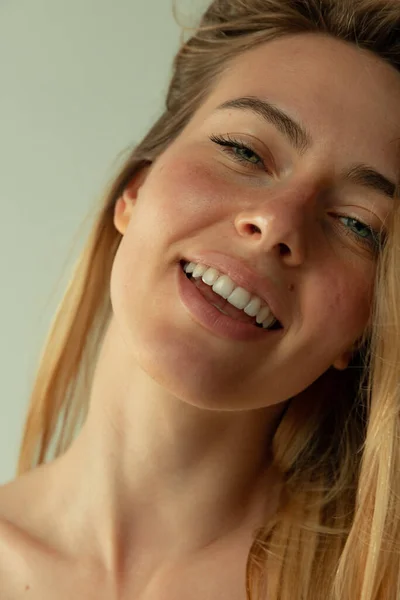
(347, 304)
(189, 188)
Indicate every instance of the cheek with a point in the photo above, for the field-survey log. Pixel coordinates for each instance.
(343, 304)
(188, 191)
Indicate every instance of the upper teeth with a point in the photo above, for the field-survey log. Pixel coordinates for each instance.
(237, 296)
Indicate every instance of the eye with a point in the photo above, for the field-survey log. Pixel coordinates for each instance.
(363, 234)
(239, 151)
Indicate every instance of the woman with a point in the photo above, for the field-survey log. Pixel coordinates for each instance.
(225, 365)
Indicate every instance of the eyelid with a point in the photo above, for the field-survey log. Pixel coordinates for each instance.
(264, 153)
(367, 216)
(270, 166)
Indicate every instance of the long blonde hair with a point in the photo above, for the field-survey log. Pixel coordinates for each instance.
(336, 533)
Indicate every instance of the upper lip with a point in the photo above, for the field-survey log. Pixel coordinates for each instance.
(243, 275)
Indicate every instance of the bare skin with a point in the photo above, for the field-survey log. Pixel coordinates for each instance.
(159, 495)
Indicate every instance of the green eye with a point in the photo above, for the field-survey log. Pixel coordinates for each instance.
(239, 151)
(364, 234)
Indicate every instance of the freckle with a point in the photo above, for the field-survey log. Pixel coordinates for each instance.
(291, 287)
(28, 587)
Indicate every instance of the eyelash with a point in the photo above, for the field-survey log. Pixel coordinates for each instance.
(229, 144)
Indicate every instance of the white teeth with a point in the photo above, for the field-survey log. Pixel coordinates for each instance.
(265, 315)
(253, 307)
(237, 296)
(199, 270)
(210, 276)
(189, 267)
(224, 286)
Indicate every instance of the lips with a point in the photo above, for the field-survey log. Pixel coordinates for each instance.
(207, 292)
(244, 275)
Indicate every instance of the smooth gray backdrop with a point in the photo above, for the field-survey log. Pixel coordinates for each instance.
(80, 81)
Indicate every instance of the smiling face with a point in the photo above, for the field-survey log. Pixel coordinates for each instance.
(289, 213)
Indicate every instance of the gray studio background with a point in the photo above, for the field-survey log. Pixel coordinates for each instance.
(80, 81)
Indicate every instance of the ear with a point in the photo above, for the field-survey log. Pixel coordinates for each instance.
(342, 362)
(125, 204)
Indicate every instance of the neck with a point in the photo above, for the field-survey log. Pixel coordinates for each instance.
(153, 474)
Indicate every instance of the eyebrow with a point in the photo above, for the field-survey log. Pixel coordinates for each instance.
(300, 139)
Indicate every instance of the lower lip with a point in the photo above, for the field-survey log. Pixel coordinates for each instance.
(212, 319)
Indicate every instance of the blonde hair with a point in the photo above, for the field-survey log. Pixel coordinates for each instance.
(336, 533)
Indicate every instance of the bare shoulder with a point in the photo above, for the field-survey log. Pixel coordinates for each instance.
(16, 556)
(24, 566)
(18, 500)
(24, 506)
(25, 560)
(31, 560)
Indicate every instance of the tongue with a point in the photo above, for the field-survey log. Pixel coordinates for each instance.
(234, 313)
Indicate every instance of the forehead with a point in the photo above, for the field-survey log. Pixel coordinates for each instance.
(348, 98)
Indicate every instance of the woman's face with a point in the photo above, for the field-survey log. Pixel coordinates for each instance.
(288, 213)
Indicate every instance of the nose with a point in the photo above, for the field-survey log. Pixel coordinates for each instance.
(281, 224)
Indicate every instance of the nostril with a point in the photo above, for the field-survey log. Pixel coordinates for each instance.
(284, 250)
